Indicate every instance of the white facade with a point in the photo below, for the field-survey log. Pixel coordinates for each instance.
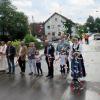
(74, 31)
(54, 25)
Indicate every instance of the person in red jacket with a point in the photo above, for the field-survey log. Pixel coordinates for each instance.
(86, 38)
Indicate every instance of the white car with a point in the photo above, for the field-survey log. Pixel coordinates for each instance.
(94, 39)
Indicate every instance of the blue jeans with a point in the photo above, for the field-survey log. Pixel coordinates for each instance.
(32, 65)
(11, 65)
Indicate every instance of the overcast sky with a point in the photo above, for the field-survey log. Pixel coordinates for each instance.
(77, 10)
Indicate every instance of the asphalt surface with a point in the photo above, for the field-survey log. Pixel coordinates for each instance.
(17, 87)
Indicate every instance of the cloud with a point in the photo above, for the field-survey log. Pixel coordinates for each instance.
(77, 10)
(22, 3)
(81, 2)
(53, 6)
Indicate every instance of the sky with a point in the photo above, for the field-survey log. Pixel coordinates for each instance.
(76, 10)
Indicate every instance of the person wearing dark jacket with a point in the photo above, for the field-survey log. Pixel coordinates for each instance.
(49, 56)
(10, 54)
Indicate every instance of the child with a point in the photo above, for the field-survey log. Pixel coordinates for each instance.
(38, 63)
(63, 59)
(75, 67)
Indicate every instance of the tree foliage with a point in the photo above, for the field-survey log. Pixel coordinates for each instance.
(90, 23)
(29, 38)
(97, 25)
(68, 26)
(81, 29)
(11, 21)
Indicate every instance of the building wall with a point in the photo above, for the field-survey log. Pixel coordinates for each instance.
(74, 31)
(54, 26)
(37, 29)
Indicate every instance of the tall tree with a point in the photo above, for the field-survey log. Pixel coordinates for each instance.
(11, 21)
(97, 25)
(6, 10)
(68, 26)
(81, 29)
(90, 24)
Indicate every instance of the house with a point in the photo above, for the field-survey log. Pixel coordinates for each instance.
(37, 29)
(54, 26)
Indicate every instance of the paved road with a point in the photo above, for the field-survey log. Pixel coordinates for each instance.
(91, 55)
(41, 88)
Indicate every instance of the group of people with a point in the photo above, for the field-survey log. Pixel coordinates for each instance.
(8, 53)
(70, 57)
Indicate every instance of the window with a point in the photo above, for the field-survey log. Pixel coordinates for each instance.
(48, 27)
(53, 33)
(55, 19)
(48, 33)
(62, 21)
(59, 34)
(59, 25)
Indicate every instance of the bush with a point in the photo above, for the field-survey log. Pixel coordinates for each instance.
(16, 44)
(29, 38)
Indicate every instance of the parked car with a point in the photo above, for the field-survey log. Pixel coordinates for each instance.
(97, 36)
(94, 39)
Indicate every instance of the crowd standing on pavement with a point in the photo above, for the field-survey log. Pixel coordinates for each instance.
(70, 57)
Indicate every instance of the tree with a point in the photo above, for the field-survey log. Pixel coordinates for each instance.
(5, 10)
(11, 21)
(97, 25)
(68, 26)
(90, 24)
(18, 26)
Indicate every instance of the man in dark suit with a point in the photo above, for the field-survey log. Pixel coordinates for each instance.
(49, 56)
(10, 54)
